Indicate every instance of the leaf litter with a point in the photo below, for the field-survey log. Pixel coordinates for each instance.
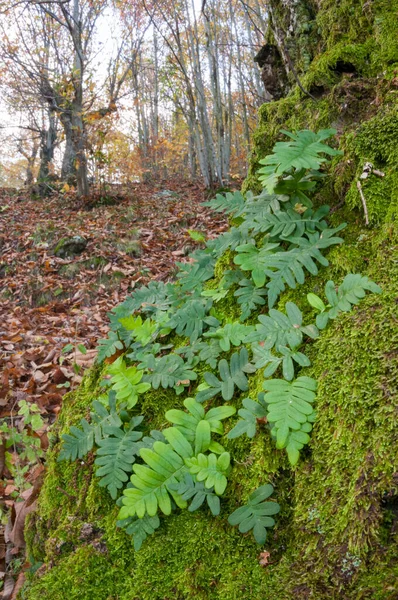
(53, 310)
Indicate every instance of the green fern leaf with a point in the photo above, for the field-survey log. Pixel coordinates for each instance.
(191, 319)
(289, 406)
(289, 223)
(247, 423)
(250, 258)
(231, 333)
(231, 375)
(249, 297)
(277, 329)
(79, 442)
(189, 488)
(126, 382)
(188, 423)
(109, 346)
(287, 268)
(350, 293)
(116, 455)
(152, 482)
(303, 152)
(228, 203)
(139, 529)
(169, 371)
(256, 514)
(139, 330)
(211, 470)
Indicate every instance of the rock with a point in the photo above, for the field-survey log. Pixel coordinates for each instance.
(166, 194)
(68, 247)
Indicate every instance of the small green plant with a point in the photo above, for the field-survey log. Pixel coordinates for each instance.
(257, 514)
(173, 336)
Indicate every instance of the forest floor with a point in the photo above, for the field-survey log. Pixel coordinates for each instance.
(53, 310)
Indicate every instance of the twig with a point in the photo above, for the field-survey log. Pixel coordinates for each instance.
(365, 208)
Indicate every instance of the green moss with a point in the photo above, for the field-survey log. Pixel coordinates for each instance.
(87, 573)
(336, 534)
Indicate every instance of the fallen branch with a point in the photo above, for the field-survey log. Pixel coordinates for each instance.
(365, 208)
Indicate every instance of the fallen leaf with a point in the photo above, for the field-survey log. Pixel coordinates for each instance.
(263, 558)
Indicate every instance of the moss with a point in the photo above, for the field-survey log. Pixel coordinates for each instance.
(336, 534)
(87, 573)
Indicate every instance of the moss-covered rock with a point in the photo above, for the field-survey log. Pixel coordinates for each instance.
(336, 535)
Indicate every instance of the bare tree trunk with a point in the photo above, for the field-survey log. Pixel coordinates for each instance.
(48, 138)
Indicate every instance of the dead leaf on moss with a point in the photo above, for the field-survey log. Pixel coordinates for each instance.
(264, 559)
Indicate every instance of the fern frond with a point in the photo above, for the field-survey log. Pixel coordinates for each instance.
(189, 488)
(303, 152)
(249, 297)
(231, 375)
(287, 268)
(152, 483)
(228, 203)
(188, 423)
(249, 415)
(80, 441)
(169, 371)
(116, 455)
(256, 514)
(232, 333)
(109, 346)
(211, 470)
(349, 293)
(139, 529)
(126, 381)
(192, 318)
(289, 407)
(277, 329)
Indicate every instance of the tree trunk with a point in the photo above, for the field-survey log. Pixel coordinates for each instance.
(47, 141)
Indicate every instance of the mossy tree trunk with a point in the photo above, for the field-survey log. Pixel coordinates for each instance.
(336, 536)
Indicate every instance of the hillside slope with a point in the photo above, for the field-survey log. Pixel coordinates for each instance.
(336, 534)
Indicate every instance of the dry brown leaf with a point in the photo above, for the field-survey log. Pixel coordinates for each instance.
(18, 585)
(8, 589)
(264, 558)
(2, 456)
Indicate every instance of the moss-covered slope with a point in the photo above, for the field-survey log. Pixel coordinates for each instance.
(337, 533)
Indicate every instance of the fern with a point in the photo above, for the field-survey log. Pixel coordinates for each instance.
(263, 357)
(290, 411)
(289, 223)
(249, 297)
(116, 455)
(191, 424)
(277, 329)
(228, 203)
(139, 529)
(126, 382)
(231, 375)
(149, 298)
(109, 346)
(139, 330)
(191, 319)
(169, 371)
(229, 240)
(249, 415)
(232, 333)
(256, 514)
(303, 152)
(189, 489)
(250, 258)
(287, 268)
(80, 441)
(210, 469)
(192, 274)
(350, 292)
